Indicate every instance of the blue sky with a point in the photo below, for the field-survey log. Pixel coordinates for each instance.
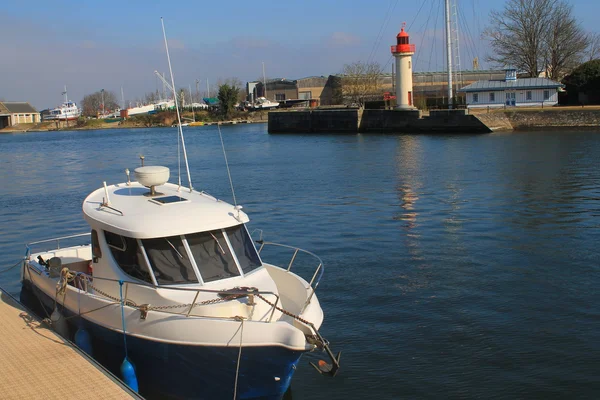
(93, 45)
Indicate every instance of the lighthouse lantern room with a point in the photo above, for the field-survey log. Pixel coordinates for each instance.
(403, 52)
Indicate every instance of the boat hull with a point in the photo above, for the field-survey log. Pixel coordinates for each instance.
(169, 370)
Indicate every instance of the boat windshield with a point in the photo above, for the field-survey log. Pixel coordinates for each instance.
(243, 247)
(169, 260)
(212, 255)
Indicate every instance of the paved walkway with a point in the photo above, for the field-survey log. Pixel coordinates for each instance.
(36, 363)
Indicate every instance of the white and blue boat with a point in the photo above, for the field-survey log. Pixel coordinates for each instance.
(169, 279)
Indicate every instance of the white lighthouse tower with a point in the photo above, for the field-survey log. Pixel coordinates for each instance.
(403, 52)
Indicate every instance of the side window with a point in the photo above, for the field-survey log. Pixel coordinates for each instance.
(212, 255)
(96, 250)
(243, 247)
(169, 261)
(128, 256)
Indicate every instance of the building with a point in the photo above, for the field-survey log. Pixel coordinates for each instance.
(16, 112)
(429, 88)
(512, 92)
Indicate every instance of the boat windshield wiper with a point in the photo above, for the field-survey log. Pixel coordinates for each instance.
(218, 243)
(174, 249)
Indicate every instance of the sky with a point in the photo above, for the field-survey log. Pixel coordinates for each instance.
(93, 45)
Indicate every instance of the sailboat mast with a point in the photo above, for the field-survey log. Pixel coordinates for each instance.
(207, 89)
(122, 99)
(264, 81)
(192, 103)
(449, 53)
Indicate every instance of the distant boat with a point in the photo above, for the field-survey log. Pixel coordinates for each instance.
(262, 103)
(67, 111)
(147, 109)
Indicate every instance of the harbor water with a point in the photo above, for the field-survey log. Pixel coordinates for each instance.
(456, 266)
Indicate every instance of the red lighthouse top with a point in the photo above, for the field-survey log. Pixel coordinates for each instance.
(403, 45)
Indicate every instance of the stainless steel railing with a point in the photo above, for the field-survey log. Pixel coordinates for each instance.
(317, 275)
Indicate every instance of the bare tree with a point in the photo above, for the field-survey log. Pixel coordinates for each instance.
(565, 42)
(593, 50)
(361, 81)
(528, 34)
(517, 34)
(92, 104)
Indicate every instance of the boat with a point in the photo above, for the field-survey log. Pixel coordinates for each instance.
(262, 103)
(67, 111)
(169, 281)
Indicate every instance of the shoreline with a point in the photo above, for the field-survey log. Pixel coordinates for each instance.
(112, 125)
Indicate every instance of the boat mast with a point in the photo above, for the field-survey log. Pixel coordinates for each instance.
(264, 81)
(449, 53)
(192, 103)
(65, 93)
(187, 167)
(122, 99)
(207, 89)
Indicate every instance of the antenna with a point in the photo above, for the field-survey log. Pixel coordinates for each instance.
(187, 167)
(228, 173)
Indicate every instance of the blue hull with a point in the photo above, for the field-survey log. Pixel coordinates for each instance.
(175, 371)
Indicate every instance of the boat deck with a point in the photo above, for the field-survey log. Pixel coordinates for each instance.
(37, 363)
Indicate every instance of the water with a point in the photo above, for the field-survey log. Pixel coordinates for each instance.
(461, 266)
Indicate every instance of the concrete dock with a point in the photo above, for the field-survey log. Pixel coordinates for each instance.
(36, 363)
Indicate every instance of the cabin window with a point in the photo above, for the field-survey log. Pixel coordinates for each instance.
(128, 256)
(243, 248)
(546, 94)
(169, 260)
(475, 97)
(96, 250)
(528, 95)
(492, 97)
(212, 255)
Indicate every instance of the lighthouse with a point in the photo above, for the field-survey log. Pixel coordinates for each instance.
(403, 52)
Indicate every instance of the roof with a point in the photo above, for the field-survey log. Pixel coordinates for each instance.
(500, 85)
(402, 33)
(18, 107)
(144, 217)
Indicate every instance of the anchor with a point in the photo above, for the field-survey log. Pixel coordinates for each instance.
(322, 366)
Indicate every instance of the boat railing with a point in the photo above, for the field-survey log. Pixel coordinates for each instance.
(232, 293)
(85, 282)
(316, 276)
(28, 246)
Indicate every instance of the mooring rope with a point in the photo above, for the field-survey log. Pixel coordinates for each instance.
(20, 262)
(237, 369)
(123, 317)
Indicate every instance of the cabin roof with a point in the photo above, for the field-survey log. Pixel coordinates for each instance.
(523, 83)
(18, 107)
(145, 217)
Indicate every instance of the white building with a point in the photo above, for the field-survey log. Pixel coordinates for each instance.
(512, 92)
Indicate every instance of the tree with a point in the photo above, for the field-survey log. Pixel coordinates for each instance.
(593, 50)
(530, 33)
(361, 81)
(228, 96)
(92, 103)
(584, 79)
(565, 44)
